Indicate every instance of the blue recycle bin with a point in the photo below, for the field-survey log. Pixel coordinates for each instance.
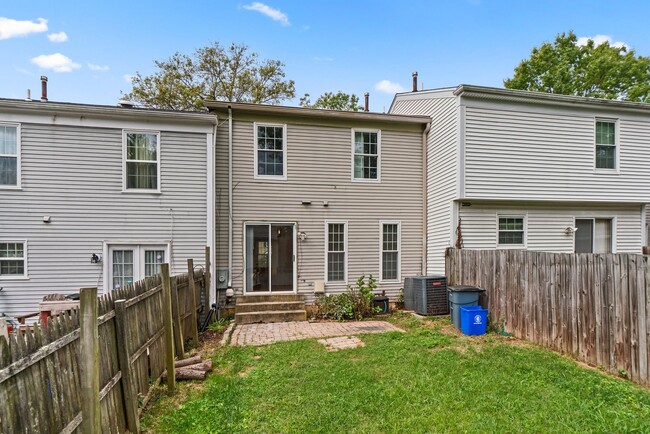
(473, 320)
(460, 296)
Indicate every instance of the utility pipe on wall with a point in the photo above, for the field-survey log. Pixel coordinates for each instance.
(230, 197)
(425, 135)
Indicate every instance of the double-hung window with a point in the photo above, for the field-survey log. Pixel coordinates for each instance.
(270, 151)
(12, 260)
(130, 263)
(390, 249)
(366, 158)
(336, 240)
(9, 156)
(142, 161)
(511, 231)
(605, 144)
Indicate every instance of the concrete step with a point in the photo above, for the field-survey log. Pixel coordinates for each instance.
(245, 299)
(269, 305)
(269, 316)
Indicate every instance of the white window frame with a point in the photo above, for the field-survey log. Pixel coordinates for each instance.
(285, 170)
(381, 251)
(366, 130)
(25, 275)
(139, 248)
(525, 230)
(594, 217)
(17, 155)
(617, 147)
(124, 162)
(345, 251)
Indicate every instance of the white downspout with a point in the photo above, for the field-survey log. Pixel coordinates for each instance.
(425, 224)
(230, 197)
(212, 209)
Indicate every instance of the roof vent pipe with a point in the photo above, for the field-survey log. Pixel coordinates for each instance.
(29, 95)
(366, 105)
(43, 88)
(415, 81)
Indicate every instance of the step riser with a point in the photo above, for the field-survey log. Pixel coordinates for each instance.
(276, 306)
(267, 298)
(269, 317)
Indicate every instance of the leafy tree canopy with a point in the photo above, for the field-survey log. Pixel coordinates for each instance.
(235, 74)
(333, 101)
(590, 70)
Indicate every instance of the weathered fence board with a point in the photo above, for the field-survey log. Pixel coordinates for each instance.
(595, 307)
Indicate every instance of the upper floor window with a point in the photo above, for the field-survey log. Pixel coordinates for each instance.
(142, 161)
(270, 151)
(511, 231)
(9, 156)
(366, 155)
(605, 144)
(12, 259)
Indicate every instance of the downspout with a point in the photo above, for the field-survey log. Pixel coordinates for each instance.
(230, 241)
(212, 209)
(425, 135)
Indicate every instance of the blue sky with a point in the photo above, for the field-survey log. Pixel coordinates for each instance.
(89, 49)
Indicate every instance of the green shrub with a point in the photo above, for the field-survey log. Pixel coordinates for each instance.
(356, 303)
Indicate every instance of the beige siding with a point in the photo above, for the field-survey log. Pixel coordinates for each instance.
(74, 175)
(546, 223)
(442, 172)
(525, 152)
(319, 169)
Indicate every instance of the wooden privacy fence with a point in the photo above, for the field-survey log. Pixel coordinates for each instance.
(42, 369)
(593, 306)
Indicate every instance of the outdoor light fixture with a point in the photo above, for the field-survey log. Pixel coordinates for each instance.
(95, 258)
(302, 236)
(47, 219)
(570, 230)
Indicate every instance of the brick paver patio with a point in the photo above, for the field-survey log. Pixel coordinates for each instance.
(264, 334)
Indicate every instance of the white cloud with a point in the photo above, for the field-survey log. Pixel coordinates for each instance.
(56, 62)
(600, 39)
(128, 78)
(13, 28)
(274, 14)
(324, 59)
(389, 87)
(57, 37)
(94, 67)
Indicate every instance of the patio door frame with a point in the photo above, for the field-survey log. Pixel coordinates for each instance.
(270, 224)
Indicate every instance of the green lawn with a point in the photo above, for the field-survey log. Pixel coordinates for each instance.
(430, 379)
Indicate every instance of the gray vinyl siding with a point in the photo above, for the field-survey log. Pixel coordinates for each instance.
(442, 171)
(319, 168)
(546, 223)
(74, 174)
(526, 152)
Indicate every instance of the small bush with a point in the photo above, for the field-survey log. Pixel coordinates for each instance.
(356, 303)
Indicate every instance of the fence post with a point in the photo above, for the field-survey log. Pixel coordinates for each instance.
(124, 345)
(190, 277)
(89, 358)
(176, 315)
(169, 332)
(206, 277)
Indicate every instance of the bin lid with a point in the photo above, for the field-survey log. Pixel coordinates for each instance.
(465, 288)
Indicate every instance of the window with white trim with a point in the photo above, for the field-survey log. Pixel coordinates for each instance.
(270, 151)
(142, 161)
(366, 155)
(511, 230)
(12, 259)
(390, 250)
(336, 252)
(605, 144)
(9, 156)
(130, 263)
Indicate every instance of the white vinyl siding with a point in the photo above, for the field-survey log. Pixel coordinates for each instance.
(336, 261)
(606, 149)
(366, 155)
(270, 151)
(390, 251)
(9, 156)
(13, 259)
(142, 161)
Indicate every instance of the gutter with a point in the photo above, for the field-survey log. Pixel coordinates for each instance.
(230, 237)
(425, 135)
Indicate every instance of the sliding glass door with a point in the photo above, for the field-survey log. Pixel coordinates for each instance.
(270, 259)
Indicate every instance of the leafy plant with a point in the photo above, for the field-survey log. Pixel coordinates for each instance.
(400, 299)
(356, 303)
(218, 326)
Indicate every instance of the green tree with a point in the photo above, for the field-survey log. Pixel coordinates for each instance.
(590, 70)
(235, 74)
(333, 101)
